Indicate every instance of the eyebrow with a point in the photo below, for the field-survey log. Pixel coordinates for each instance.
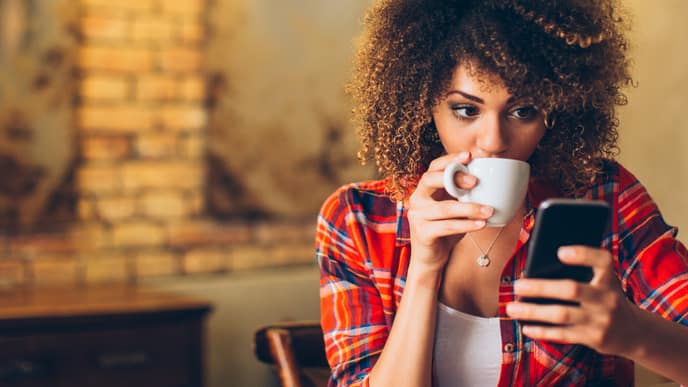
(474, 98)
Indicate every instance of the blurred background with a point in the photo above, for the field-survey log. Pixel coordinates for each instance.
(186, 146)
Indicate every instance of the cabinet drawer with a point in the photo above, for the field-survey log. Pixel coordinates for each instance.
(149, 355)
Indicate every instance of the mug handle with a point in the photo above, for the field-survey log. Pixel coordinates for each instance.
(449, 184)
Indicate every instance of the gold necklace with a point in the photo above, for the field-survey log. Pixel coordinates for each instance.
(484, 259)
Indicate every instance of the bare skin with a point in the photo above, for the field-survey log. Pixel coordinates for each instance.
(605, 320)
(473, 121)
(478, 118)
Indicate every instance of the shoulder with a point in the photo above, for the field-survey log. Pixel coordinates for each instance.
(348, 218)
(636, 216)
(631, 203)
(615, 172)
(624, 192)
(615, 180)
(368, 198)
(621, 174)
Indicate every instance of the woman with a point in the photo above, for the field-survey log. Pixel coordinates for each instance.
(403, 302)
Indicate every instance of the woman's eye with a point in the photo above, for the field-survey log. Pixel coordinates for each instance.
(465, 111)
(524, 113)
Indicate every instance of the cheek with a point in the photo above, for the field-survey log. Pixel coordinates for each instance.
(455, 139)
(440, 121)
(534, 140)
(527, 143)
(447, 132)
(539, 134)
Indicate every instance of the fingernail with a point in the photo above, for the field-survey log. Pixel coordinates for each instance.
(520, 286)
(485, 210)
(565, 252)
(463, 155)
(479, 223)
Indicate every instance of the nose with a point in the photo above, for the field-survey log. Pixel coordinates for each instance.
(491, 139)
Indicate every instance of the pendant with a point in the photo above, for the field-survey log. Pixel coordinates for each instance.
(483, 260)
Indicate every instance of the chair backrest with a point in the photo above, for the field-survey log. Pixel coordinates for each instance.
(296, 349)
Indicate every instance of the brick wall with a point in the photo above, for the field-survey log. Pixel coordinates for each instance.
(141, 124)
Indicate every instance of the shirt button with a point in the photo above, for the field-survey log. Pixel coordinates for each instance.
(506, 279)
(508, 347)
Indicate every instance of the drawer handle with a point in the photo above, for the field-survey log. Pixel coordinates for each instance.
(123, 359)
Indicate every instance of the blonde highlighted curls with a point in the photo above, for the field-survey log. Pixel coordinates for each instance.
(569, 57)
(571, 38)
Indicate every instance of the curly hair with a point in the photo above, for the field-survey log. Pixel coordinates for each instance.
(568, 57)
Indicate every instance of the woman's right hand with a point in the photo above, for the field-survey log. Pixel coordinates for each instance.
(438, 221)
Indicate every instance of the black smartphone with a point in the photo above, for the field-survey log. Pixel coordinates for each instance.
(563, 222)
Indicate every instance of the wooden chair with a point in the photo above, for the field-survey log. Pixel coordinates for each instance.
(296, 349)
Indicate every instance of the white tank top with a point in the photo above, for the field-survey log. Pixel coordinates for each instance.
(467, 349)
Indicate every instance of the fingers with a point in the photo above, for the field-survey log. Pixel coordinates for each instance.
(600, 315)
(452, 209)
(563, 289)
(563, 322)
(433, 179)
(449, 217)
(585, 256)
(440, 163)
(557, 334)
(569, 290)
(553, 313)
(433, 217)
(598, 259)
(600, 330)
(443, 228)
(423, 206)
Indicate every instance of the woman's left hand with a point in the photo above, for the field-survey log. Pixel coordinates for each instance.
(603, 320)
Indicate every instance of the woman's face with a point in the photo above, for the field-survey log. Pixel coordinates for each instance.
(478, 115)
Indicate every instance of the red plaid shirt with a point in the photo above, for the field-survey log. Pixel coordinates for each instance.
(363, 249)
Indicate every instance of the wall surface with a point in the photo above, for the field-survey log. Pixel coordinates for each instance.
(138, 113)
(654, 128)
(280, 133)
(282, 84)
(241, 304)
(37, 150)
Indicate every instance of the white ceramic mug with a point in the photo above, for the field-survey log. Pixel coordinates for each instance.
(502, 185)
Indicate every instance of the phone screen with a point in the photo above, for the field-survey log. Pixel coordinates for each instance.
(564, 222)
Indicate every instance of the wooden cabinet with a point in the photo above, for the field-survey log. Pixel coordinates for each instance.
(104, 337)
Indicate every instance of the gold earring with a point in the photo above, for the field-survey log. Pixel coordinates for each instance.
(549, 120)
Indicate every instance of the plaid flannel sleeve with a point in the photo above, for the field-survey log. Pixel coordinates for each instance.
(656, 277)
(351, 309)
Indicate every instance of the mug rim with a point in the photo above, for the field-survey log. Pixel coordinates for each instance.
(497, 159)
